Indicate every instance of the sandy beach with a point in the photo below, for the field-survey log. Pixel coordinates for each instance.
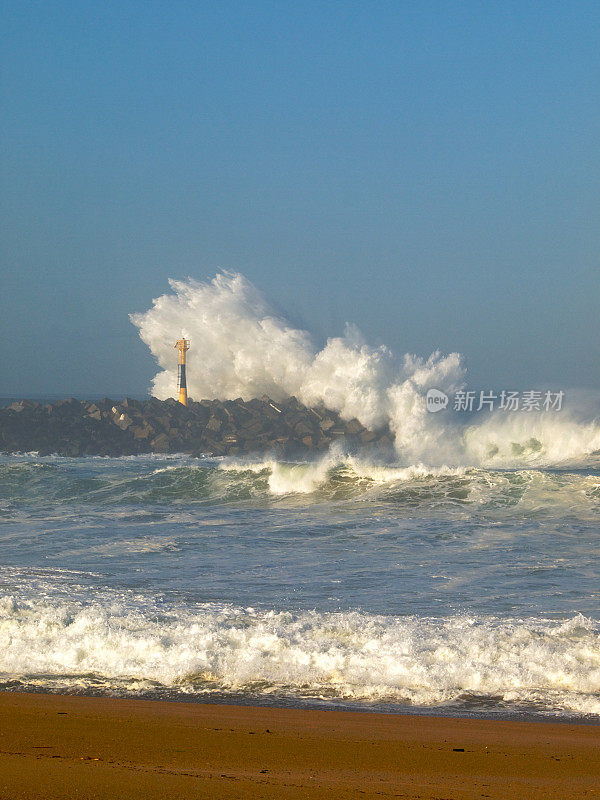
(56, 746)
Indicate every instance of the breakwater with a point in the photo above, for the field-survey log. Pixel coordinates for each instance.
(213, 427)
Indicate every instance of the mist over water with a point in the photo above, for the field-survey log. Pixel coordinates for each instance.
(242, 348)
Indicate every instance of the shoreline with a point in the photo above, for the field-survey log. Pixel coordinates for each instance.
(62, 746)
(331, 704)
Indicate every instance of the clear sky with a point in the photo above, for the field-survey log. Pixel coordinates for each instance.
(427, 170)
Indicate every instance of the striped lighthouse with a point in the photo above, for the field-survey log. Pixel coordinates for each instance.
(182, 345)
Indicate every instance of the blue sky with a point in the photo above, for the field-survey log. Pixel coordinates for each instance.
(427, 170)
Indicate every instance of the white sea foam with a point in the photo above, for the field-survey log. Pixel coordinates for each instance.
(522, 438)
(242, 348)
(286, 477)
(336, 475)
(131, 641)
(308, 476)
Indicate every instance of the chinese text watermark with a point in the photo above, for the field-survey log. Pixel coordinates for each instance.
(495, 401)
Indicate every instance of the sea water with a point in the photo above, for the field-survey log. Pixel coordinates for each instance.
(459, 574)
(341, 581)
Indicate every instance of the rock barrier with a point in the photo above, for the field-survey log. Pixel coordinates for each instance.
(208, 427)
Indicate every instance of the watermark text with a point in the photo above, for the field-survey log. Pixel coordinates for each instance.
(463, 400)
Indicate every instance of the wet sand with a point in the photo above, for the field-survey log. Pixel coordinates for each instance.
(54, 746)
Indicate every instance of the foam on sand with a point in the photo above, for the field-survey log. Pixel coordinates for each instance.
(132, 642)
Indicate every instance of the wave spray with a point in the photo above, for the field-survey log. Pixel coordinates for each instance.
(244, 348)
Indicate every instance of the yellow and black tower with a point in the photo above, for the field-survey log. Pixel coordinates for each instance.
(183, 346)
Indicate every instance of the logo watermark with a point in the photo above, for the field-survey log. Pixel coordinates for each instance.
(436, 400)
(495, 401)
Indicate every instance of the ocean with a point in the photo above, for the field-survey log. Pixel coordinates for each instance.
(458, 576)
(345, 581)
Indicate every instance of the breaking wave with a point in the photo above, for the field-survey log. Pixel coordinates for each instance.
(131, 643)
(241, 347)
(170, 484)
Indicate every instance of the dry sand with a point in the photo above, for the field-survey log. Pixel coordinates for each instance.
(54, 746)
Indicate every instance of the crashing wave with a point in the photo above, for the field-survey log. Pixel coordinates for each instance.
(243, 348)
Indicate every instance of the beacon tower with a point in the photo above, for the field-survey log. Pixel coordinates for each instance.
(182, 345)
